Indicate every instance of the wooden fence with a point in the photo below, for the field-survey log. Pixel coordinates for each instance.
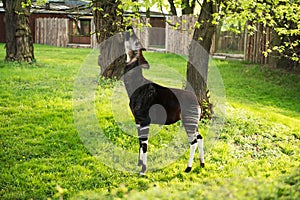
(256, 44)
(179, 34)
(52, 31)
(142, 32)
(94, 43)
(253, 45)
(178, 37)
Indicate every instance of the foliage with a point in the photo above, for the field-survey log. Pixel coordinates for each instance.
(256, 155)
(28, 3)
(282, 16)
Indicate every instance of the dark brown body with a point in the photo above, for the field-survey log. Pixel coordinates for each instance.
(153, 103)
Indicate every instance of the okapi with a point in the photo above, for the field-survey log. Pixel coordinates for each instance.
(156, 104)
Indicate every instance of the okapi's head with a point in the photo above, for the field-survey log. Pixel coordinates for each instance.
(136, 59)
(131, 42)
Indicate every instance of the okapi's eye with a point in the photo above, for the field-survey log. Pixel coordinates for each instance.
(137, 44)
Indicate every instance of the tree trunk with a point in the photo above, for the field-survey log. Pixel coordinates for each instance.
(19, 42)
(197, 67)
(172, 7)
(188, 7)
(109, 22)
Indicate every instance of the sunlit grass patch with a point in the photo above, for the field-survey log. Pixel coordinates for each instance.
(254, 156)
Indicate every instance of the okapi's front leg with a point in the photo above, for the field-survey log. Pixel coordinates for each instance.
(140, 159)
(143, 132)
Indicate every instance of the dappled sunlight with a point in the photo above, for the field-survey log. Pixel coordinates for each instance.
(269, 113)
(264, 87)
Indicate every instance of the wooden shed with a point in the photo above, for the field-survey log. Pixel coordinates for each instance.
(76, 14)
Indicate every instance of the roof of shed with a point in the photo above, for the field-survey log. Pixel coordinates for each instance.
(71, 7)
(59, 7)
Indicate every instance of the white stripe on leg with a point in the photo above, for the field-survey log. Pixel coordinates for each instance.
(144, 128)
(192, 154)
(141, 153)
(144, 165)
(201, 150)
(144, 157)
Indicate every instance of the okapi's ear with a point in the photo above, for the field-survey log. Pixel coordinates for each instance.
(128, 32)
(140, 52)
(142, 61)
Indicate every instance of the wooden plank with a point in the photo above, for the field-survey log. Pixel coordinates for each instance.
(52, 31)
(50, 37)
(178, 39)
(66, 31)
(59, 39)
(55, 35)
(62, 39)
(45, 31)
(93, 36)
(37, 31)
(42, 32)
(245, 41)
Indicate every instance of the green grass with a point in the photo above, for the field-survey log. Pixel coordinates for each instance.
(255, 157)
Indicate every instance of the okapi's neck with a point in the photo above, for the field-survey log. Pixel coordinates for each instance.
(133, 79)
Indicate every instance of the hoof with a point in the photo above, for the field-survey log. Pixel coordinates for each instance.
(143, 171)
(202, 165)
(188, 169)
(142, 174)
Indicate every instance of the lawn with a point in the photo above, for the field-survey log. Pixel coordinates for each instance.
(253, 154)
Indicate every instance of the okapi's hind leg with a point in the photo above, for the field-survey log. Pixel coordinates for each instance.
(190, 119)
(190, 112)
(201, 149)
(197, 142)
(193, 147)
